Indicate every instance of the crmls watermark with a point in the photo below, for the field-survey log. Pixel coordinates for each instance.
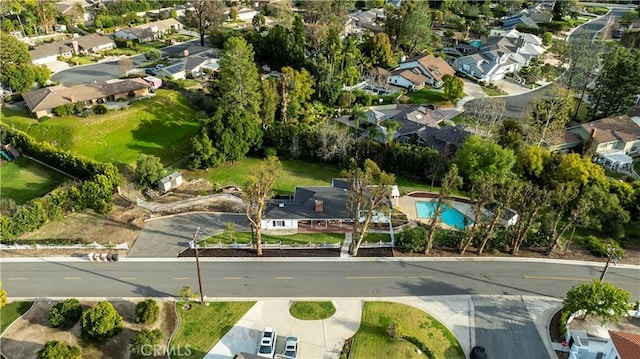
(159, 350)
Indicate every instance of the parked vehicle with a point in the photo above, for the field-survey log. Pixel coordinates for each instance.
(151, 71)
(291, 348)
(267, 347)
(478, 352)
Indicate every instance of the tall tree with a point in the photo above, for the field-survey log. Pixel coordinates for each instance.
(297, 88)
(415, 34)
(153, 55)
(450, 183)
(369, 189)
(378, 49)
(600, 299)
(481, 193)
(480, 159)
(45, 11)
(238, 82)
(563, 8)
(549, 114)
(529, 201)
(453, 87)
(149, 170)
(504, 199)
(257, 190)
(206, 14)
(270, 100)
(488, 113)
(617, 85)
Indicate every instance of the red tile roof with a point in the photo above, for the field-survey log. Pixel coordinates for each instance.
(627, 344)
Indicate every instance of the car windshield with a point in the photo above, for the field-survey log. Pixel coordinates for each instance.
(265, 349)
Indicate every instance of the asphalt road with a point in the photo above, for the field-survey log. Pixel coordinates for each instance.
(517, 105)
(109, 70)
(308, 278)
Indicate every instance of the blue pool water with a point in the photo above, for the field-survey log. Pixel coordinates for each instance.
(475, 43)
(449, 216)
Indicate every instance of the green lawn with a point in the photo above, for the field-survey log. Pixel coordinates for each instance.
(11, 312)
(159, 126)
(426, 95)
(312, 310)
(201, 327)
(372, 342)
(294, 173)
(490, 91)
(377, 237)
(298, 238)
(24, 179)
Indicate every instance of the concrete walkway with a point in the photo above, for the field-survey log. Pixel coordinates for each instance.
(464, 315)
(318, 338)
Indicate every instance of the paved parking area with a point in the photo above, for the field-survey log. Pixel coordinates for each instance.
(318, 338)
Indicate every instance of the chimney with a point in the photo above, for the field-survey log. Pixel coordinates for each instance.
(74, 44)
(592, 135)
(185, 53)
(319, 206)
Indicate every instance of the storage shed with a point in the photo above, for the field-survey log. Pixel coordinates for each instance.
(170, 182)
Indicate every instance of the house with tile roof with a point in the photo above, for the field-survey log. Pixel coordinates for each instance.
(623, 345)
(151, 31)
(41, 102)
(420, 71)
(93, 43)
(500, 55)
(47, 53)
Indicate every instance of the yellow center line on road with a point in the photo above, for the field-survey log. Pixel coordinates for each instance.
(180, 278)
(284, 277)
(232, 278)
(72, 278)
(18, 278)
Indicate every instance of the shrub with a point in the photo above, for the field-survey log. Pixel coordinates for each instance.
(422, 346)
(598, 247)
(60, 110)
(147, 311)
(54, 349)
(100, 109)
(412, 240)
(101, 322)
(65, 314)
(393, 331)
(143, 341)
(270, 151)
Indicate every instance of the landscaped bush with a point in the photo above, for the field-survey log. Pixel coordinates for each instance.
(412, 240)
(54, 349)
(65, 314)
(100, 109)
(60, 110)
(423, 347)
(147, 311)
(144, 341)
(448, 238)
(598, 247)
(101, 322)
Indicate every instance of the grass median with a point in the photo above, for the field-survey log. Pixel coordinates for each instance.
(312, 310)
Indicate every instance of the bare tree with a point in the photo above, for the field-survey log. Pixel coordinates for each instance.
(333, 142)
(450, 182)
(125, 65)
(369, 188)
(256, 191)
(206, 14)
(487, 113)
(504, 199)
(482, 194)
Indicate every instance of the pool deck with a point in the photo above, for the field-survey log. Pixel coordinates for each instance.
(407, 205)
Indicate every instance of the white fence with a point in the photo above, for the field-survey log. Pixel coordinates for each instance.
(93, 245)
(379, 244)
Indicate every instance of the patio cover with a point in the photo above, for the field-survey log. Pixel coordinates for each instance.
(616, 157)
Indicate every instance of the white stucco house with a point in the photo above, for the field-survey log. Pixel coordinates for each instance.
(421, 71)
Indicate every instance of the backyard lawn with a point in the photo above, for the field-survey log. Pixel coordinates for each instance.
(372, 341)
(202, 326)
(294, 173)
(24, 179)
(11, 312)
(297, 238)
(159, 126)
(426, 95)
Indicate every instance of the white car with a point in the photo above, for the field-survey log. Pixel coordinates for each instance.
(267, 347)
(291, 348)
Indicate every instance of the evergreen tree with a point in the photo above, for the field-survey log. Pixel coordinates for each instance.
(617, 85)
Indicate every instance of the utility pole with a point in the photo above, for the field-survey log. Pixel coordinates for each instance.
(195, 247)
(611, 256)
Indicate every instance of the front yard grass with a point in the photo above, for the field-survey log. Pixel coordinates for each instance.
(202, 326)
(11, 312)
(294, 239)
(24, 179)
(372, 341)
(491, 91)
(429, 96)
(161, 126)
(377, 237)
(312, 310)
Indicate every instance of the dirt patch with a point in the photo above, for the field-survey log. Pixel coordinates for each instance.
(28, 334)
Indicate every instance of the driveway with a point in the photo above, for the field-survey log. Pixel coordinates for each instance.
(167, 236)
(318, 338)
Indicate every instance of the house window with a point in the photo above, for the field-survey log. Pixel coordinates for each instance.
(277, 223)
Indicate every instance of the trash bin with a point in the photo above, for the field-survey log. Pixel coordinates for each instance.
(114, 257)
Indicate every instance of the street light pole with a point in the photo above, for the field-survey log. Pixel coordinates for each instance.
(195, 246)
(611, 256)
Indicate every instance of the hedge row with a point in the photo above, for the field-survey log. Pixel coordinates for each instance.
(422, 346)
(95, 192)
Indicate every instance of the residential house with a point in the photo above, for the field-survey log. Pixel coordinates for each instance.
(529, 17)
(189, 66)
(419, 125)
(365, 20)
(318, 208)
(67, 7)
(93, 43)
(500, 55)
(41, 102)
(520, 19)
(47, 53)
(151, 31)
(618, 345)
(622, 345)
(246, 14)
(421, 71)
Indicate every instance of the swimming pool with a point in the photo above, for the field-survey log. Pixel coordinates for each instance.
(475, 43)
(449, 215)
